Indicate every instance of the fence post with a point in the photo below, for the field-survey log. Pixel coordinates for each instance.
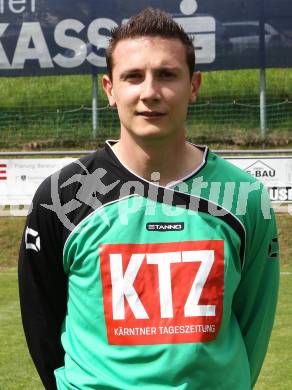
(263, 111)
(58, 122)
(262, 52)
(94, 105)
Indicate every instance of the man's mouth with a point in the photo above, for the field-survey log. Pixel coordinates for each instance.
(150, 114)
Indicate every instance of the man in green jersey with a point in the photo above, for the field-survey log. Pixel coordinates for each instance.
(151, 263)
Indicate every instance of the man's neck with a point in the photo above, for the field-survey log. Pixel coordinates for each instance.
(157, 159)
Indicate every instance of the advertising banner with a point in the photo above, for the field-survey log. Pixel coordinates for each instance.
(20, 178)
(50, 37)
(275, 172)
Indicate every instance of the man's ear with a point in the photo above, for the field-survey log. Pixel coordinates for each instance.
(108, 89)
(195, 86)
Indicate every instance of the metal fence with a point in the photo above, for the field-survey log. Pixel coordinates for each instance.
(43, 112)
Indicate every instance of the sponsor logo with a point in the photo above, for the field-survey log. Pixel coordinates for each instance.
(32, 240)
(280, 193)
(162, 292)
(82, 43)
(201, 29)
(261, 170)
(3, 171)
(165, 226)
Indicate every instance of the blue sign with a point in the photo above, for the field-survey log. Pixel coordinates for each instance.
(39, 37)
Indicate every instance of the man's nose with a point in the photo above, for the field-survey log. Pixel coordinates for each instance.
(149, 89)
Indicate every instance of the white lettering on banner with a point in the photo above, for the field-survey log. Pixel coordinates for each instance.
(123, 285)
(31, 32)
(201, 27)
(14, 6)
(71, 43)
(17, 6)
(102, 40)
(280, 194)
(205, 44)
(4, 63)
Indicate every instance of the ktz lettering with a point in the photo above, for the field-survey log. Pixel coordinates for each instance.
(122, 285)
(162, 286)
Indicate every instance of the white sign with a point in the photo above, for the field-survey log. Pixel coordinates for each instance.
(275, 172)
(20, 178)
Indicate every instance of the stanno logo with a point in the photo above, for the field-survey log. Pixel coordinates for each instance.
(169, 292)
(165, 226)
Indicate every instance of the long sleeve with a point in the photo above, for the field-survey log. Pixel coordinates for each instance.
(43, 288)
(256, 297)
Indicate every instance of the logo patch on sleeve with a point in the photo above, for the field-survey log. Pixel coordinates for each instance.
(273, 249)
(162, 292)
(32, 240)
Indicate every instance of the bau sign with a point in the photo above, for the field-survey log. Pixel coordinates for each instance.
(260, 170)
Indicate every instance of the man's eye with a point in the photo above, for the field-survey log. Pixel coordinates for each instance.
(133, 76)
(166, 74)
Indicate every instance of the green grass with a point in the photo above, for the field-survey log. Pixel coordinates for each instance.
(54, 111)
(11, 229)
(16, 368)
(47, 91)
(55, 91)
(10, 236)
(276, 372)
(17, 371)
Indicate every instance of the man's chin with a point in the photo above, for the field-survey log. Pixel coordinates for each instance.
(151, 131)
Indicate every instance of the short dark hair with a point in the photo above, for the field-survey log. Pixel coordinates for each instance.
(150, 22)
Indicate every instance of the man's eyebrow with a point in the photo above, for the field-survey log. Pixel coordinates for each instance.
(129, 71)
(156, 70)
(169, 68)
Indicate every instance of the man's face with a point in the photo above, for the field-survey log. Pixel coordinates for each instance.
(151, 86)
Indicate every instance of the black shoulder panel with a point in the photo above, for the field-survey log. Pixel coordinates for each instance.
(92, 181)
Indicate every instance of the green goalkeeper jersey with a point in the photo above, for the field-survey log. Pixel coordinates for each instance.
(161, 287)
